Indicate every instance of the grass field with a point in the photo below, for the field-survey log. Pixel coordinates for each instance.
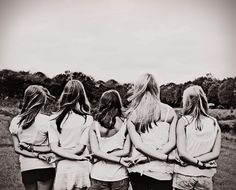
(10, 178)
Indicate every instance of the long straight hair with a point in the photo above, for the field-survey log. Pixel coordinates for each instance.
(35, 97)
(145, 98)
(72, 95)
(110, 106)
(195, 104)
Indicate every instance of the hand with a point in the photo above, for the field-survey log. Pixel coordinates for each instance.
(42, 156)
(125, 161)
(89, 157)
(52, 158)
(180, 162)
(140, 160)
(211, 164)
(82, 158)
(172, 158)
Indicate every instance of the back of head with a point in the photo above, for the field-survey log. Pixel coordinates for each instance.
(195, 104)
(145, 98)
(35, 97)
(110, 107)
(73, 95)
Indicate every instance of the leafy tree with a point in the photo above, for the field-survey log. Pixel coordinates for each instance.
(226, 92)
(213, 94)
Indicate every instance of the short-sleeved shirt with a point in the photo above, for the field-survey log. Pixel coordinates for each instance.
(74, 130)
(36, 134)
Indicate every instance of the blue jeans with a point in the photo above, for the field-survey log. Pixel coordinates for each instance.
(109, 185)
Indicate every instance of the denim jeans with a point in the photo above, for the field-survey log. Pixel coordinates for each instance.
(109, 185)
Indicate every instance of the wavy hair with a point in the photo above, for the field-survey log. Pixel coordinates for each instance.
(73, 98)
(35, 97)
(145, 98)
(110, 106)
(195, 103)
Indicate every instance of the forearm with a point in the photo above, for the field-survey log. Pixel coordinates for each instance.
(167, 148)
(105, 156)
(78, 150)
(35, 148)
(26, 153)
(43, 149)
(119, 153)
(150, 152)
(188, 158)
(64, 154)
(208, 157)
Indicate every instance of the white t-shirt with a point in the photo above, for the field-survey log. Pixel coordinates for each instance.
(36, 134)
(74, 131)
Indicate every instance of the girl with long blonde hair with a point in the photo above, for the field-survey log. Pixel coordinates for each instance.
(198, 142)
(30, 128)
(151, 125)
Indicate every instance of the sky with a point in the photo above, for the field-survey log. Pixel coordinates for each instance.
(175, 40)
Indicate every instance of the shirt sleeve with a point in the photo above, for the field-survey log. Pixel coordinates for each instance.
(53, 134)
(85, 137)
(14, 126)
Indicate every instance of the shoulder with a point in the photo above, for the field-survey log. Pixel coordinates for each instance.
(183, 121)
(132, 116)
(42, 118)
(168, 111)
(14, 125)
(214, 122)
(15, 119)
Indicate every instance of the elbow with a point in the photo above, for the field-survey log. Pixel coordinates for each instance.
(172, 145)
(126, 152)
(54, 149)
(216, 155)
(137, 147)
(17, 151)
(182, 155)
(96, 153)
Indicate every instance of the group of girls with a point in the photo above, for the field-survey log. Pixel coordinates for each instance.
(145, 145)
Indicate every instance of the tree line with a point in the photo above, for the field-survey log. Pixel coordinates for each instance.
(220, 93)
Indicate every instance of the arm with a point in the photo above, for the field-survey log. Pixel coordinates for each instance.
(35, 148)
(55, 148)
(79, 149)
(141, 147)
(183, 154)
(169, 146)
(20, 151)
(214, 154)
(64, 153)
(125, 151)
(96, 150)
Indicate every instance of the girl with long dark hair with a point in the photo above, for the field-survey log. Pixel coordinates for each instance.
(110, 145)
(30, 128)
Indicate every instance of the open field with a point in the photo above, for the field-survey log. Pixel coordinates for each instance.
(10, 178)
